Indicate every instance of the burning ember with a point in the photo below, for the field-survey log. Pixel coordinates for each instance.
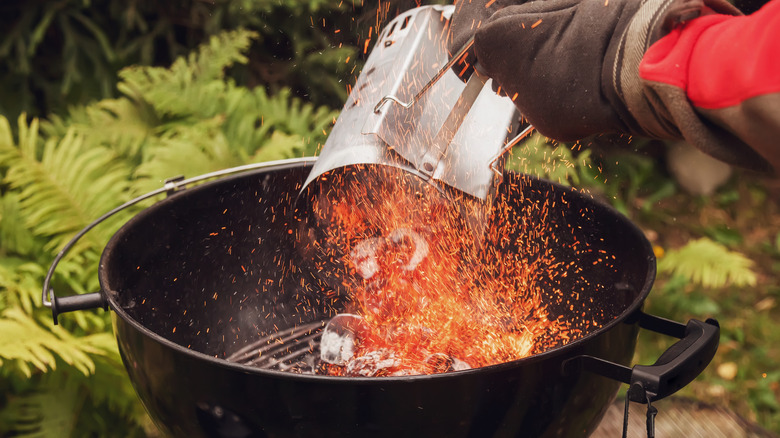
(417, 281)
(422, 297)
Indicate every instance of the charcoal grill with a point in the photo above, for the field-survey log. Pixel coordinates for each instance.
(207, 274)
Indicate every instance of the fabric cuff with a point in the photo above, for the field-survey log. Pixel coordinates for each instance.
(701, 133)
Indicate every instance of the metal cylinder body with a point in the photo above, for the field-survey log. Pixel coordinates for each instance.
(420, 139)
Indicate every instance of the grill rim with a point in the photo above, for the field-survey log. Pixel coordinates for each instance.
(627, 315)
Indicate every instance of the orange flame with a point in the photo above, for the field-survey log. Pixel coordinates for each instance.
(423, 289)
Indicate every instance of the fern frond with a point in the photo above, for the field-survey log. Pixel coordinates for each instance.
(174, 91)
(278, 147)
(331, 59)
(110, 382)
(250, 126)
(14, 235)
(709, 264)
(254, 6)
(118, 124)
(20, 284)
(65, 186)
(188, 150)
(40, 414)
(255, 118)
(50, 404)
(292, 116)
(29, 346)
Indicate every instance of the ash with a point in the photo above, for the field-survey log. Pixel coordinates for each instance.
(335, 355)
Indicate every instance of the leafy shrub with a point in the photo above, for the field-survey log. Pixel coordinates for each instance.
(59, 53)
(60, 174)
(560, 163)
(709, 264)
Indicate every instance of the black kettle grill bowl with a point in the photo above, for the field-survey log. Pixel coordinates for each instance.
(210, 269)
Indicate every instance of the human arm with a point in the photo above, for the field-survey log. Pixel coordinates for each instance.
(573, 68)
(729, 70)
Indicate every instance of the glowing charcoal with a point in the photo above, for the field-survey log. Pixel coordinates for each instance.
(379, 363)
(425, 299)
(403, 247)
(414, 244)
(443, 363)
(364, 257)
(340, 338)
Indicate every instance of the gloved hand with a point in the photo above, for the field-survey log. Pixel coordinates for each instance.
(571, 66)
(468, 17)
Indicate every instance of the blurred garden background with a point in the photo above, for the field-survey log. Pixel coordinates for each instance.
(102, 100)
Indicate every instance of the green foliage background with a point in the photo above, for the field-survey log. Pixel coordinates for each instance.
(61, 173)
(95, 111)
(101, 101)
(57, 53)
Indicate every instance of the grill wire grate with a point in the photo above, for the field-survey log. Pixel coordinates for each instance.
(285, 350)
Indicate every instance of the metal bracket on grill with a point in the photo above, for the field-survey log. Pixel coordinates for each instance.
(172, 185)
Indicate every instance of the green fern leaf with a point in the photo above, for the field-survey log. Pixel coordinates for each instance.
(253, 116)
(69, 403)
(118, 124)
(280, 146)
(174, 92)
(111, 385)
(49, 413)
(64, 186)
(20, 284)
(292, 116)
(28, 345)
(188, 150)
(14, 235)
(245, 7)
(330, 60)
(709, 264)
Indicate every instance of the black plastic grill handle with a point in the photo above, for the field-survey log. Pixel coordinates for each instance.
(675, 368)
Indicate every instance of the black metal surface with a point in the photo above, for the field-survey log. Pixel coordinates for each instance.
(77, 302)
(209, 271)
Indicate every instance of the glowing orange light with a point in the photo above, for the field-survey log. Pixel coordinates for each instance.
(481, 307)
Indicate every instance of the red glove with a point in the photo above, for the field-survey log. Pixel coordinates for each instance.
(729, 69)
